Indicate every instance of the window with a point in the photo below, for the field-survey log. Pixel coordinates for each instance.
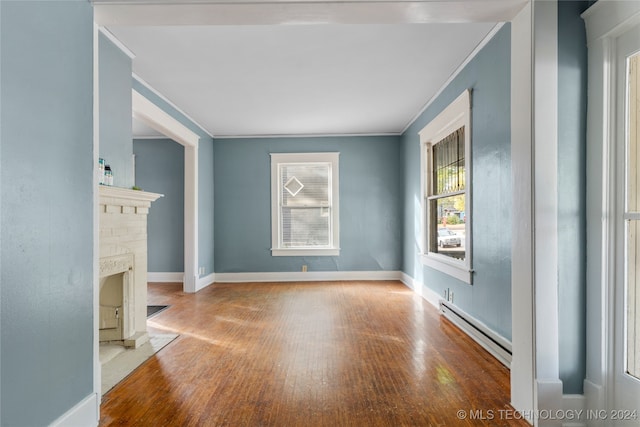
(304, 204)
(446, 202)
(632, 217)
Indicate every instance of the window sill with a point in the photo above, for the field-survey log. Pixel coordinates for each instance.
(305, 252)
(452, 268)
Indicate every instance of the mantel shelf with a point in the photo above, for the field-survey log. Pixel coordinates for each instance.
(126, 193)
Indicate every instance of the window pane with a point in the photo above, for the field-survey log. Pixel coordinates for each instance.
(304, 204)
(448, 226)
(633, 229)
(633, 201)
(305, 184)
(633, 299)
(305, 227)
(448, 164)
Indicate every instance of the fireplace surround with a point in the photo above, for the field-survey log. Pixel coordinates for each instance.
(123, 265)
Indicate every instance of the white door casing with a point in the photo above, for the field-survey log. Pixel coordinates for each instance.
(153, 116)
(625, 399)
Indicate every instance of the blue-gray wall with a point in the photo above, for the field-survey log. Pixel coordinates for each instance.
(46, 176)
(572, 111)
(160, 169)
(489, 298)
(116, 145)
(370, 204)
(205, 178)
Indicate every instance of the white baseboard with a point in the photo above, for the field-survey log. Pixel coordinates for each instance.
(574, 406)
(429, 295)
(549, 403)
(85, 413)
(308, 276)
(495, 344)
(177, 277)
(290, 276)
(205, 281)
(594, 401)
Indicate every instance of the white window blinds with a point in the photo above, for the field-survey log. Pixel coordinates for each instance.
(305, 205)
(304, 209)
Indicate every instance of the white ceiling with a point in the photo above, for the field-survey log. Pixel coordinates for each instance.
(361, 71)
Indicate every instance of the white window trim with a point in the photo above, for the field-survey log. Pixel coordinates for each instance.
(278, 158)
(456, 115)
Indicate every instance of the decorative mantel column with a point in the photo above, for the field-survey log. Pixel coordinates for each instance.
(123, 231)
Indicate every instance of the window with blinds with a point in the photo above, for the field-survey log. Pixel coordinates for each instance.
(447, 196)
(448, 159)
(304, 204)
(446, 206)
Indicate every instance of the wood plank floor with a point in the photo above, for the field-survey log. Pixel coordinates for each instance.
(309, 354)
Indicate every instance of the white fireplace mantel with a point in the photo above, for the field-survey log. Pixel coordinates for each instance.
(123, 234)
(127, 194)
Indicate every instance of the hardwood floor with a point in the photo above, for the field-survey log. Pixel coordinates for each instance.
(309, 354)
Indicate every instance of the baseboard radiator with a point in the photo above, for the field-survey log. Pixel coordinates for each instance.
(498, 346)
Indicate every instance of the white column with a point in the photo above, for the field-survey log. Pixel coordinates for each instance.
(535, 382)
(190, 218)
(545, 37)
(522, 364)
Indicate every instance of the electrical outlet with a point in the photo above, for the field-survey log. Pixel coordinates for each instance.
(304, 268)
(451, 297)
(201, 271)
